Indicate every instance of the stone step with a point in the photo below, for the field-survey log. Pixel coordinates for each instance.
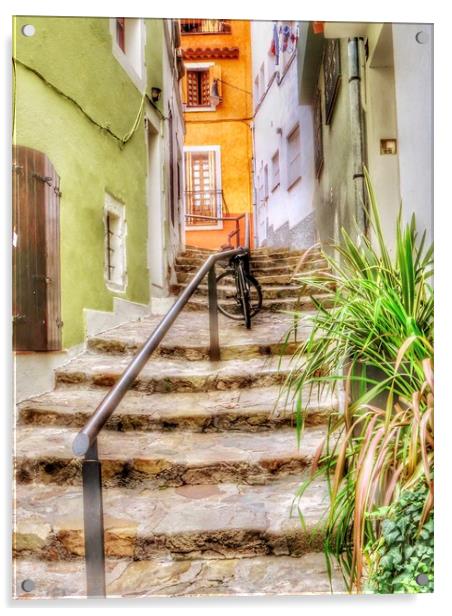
(175, 375)
(189, 339)
(259, 262)
(268, 292)
(271, 266)
(303, 303)
(255, 252)
(262, 575)
(187, 522)
(250, 410)
(162, 459)
(269, 280)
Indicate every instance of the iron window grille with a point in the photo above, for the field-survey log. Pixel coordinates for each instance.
(332, 76)
(318, 135)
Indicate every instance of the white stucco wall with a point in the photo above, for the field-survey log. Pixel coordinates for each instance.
(413, 67)
(276, 115)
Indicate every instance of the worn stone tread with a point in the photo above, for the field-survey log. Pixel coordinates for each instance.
(278, 304)
(268, 292)
(44, 454)
(176, 375)
(189, 338)
(262, 575)
(253, 410)
(187, 522)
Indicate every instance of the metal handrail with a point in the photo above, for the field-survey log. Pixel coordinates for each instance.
(85, 442)
(235, 219)
(94, 425)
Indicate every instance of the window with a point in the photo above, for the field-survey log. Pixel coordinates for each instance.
(205, 26)
(202, 89)
(275, 170)
(331, 76)
(266, 182)
(262, 80)
(120, 33)
(318, 137)
(203, 195)
(115, 244)
(256, 90)
(293, 157)
(271, 66)
(198, 88)
(128, 37)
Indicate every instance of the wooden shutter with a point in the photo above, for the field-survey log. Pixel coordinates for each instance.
(204, 77)
(192, 89)
(36, 252)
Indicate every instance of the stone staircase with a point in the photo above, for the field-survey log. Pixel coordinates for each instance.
(200, 464)
(274, 268)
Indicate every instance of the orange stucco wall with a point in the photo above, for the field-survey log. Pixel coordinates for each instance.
(229, 126)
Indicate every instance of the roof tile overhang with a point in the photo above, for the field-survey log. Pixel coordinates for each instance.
(210, 53)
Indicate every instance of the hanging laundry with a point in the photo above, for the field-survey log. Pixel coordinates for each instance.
(274, 47)
(285, 31)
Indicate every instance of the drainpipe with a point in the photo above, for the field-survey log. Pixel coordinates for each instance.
(357, 133)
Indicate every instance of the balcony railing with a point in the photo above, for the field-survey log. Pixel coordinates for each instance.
(205, 26)
(207, 203)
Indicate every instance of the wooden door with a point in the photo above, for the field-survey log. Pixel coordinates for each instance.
(36, 252)
(202, 194)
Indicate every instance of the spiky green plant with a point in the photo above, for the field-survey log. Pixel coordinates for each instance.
(381, 319)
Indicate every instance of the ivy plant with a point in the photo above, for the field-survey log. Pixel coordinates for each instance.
(401, 560)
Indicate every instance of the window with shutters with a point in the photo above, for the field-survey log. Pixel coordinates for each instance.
(115, 229)
(202, 86)
(203, 195)
(293, 157)
(275, 170)
(198, 88)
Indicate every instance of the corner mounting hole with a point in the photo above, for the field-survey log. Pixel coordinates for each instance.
(422, 579)
(28, 585)
(28, 30)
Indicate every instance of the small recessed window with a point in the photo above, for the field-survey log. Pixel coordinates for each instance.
(293, 157)
(115, 244)
(275, 170)
(128, 36)
(121, 33)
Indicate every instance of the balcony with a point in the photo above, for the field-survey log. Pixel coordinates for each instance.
(203, 203)
(205, 26)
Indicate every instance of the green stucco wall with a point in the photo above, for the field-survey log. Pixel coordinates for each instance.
(75, 56)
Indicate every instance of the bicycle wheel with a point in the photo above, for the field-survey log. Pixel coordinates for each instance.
(229, 303)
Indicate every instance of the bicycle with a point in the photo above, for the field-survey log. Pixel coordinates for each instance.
(239, 293)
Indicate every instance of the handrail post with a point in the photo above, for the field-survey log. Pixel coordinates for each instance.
(247, 230)
(237, 230)
(214, 351)
(93, 520)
